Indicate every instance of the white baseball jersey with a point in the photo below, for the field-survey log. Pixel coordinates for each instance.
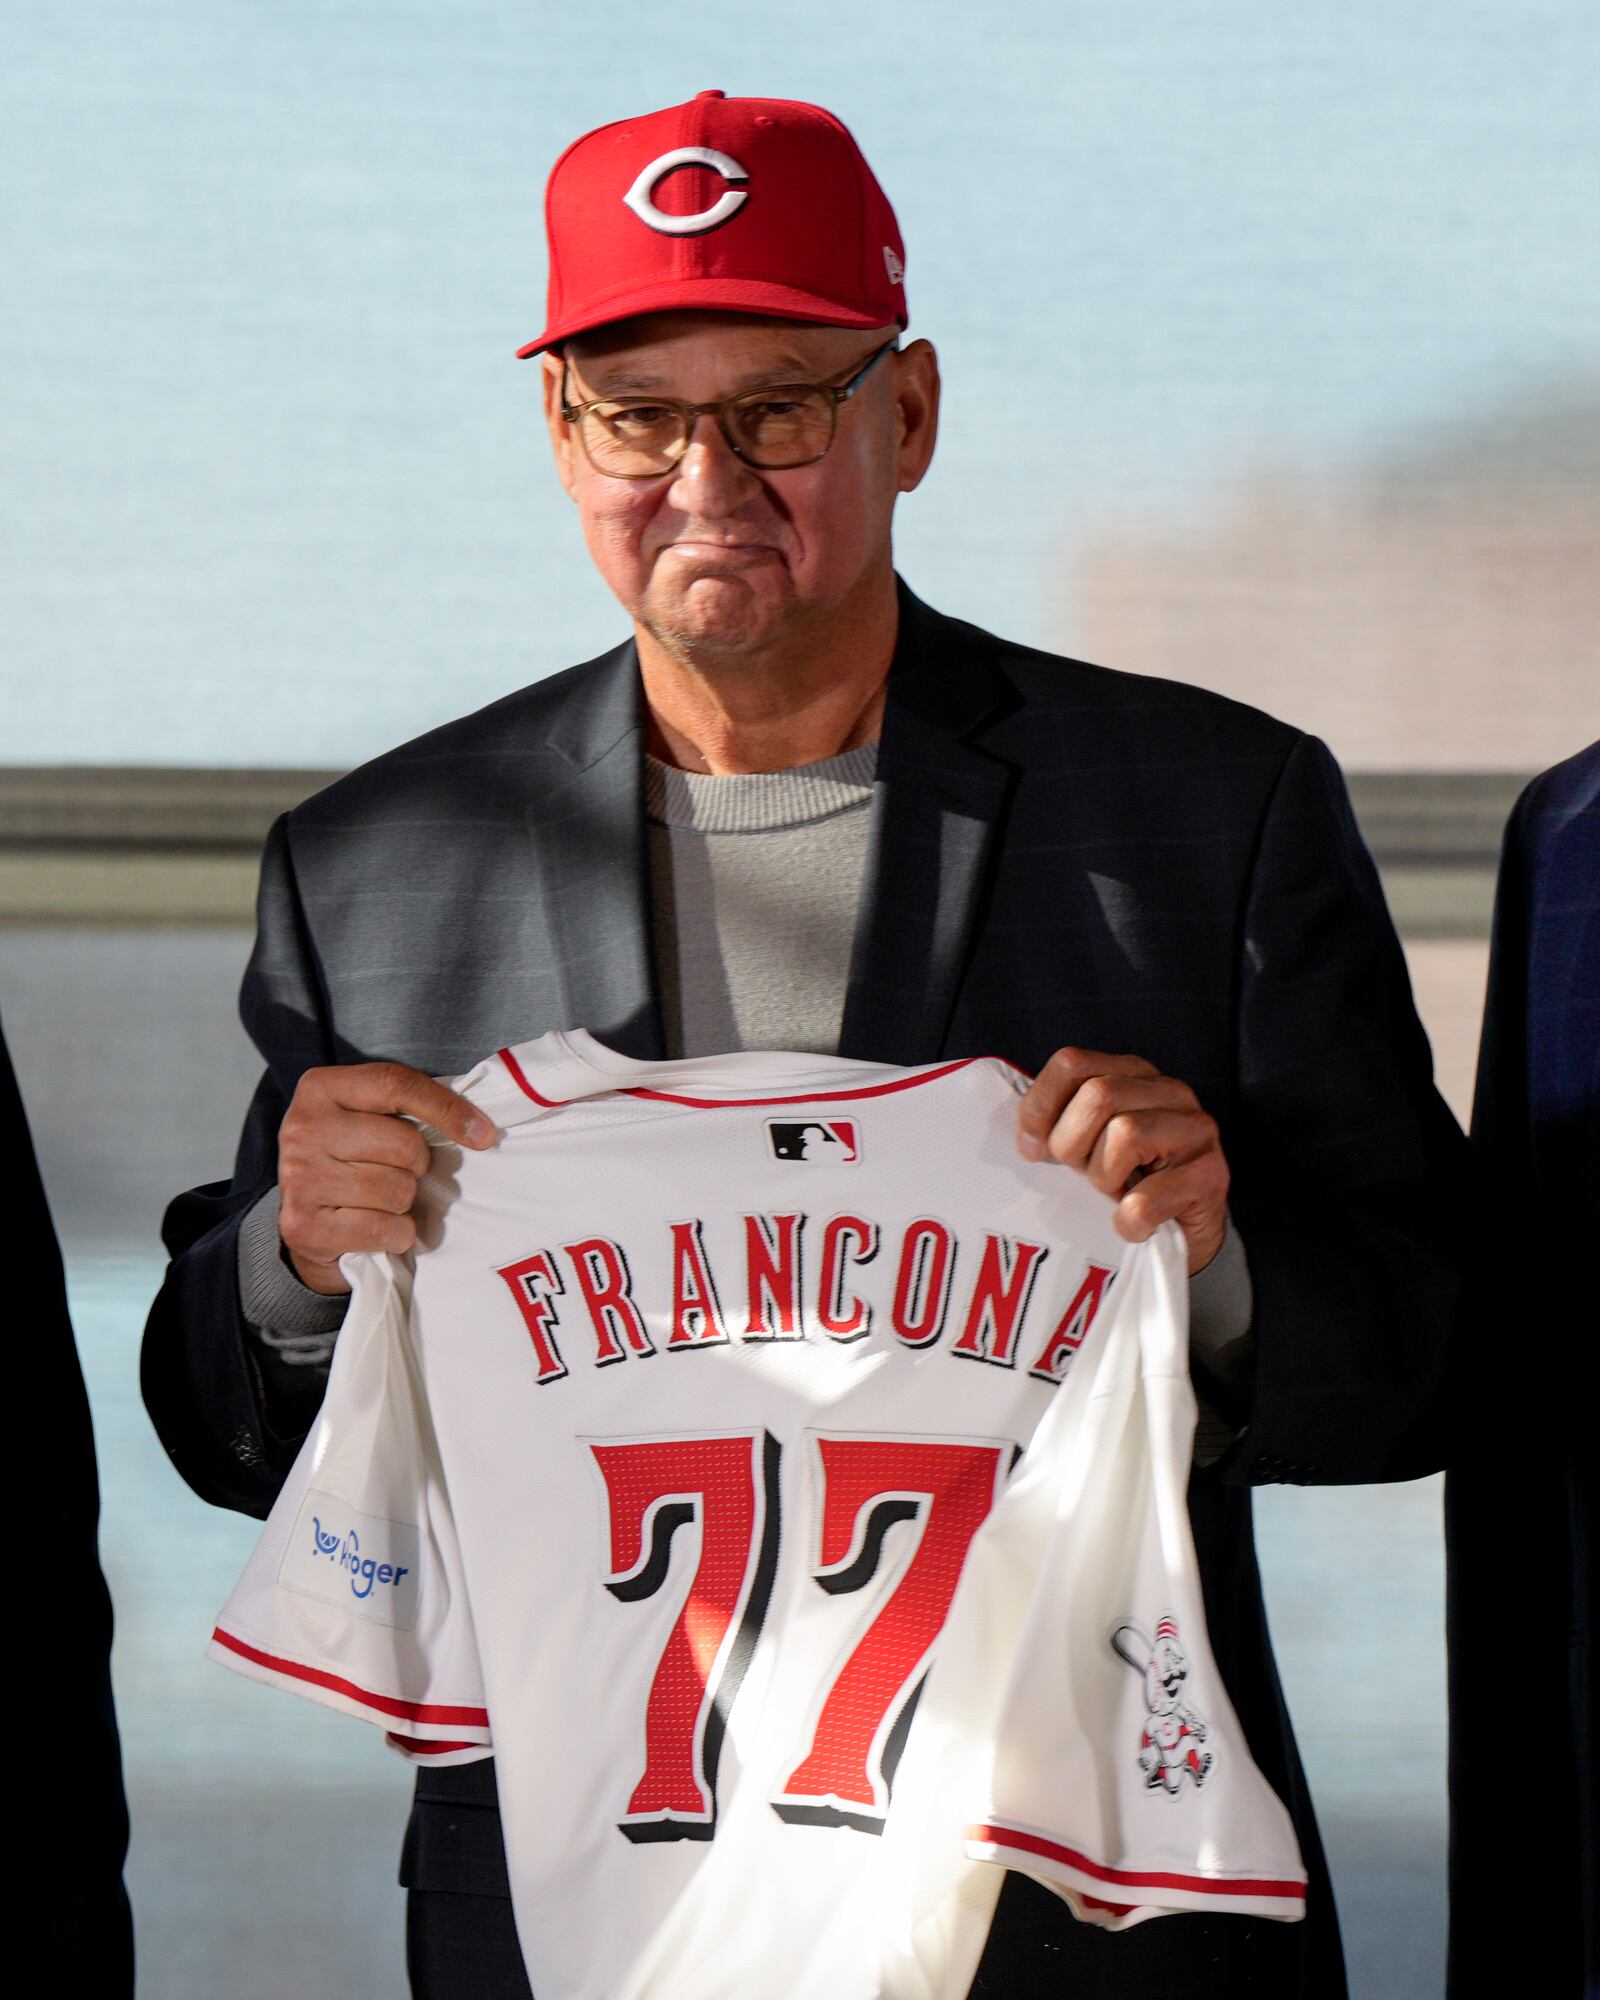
(714, 1394)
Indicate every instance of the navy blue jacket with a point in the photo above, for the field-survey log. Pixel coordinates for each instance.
(1520, 1495)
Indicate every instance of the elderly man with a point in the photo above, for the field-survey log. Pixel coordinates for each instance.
(800, 810)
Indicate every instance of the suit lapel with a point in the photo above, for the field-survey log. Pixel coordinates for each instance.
(587, 835)
(937, 801)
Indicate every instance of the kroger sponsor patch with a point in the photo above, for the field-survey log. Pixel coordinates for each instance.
(356, 1561)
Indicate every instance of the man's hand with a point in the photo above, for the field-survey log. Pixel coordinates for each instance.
(349, 1162)
(1140, 1137)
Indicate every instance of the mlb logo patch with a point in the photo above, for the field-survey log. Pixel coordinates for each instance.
(818, 1142)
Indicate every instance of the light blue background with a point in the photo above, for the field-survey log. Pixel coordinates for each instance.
(275, 492)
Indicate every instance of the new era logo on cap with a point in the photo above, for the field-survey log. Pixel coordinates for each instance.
(819, 1142)
(734, 204)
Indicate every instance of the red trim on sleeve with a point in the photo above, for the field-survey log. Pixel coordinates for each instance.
(1130, 1878)
(407, 1711)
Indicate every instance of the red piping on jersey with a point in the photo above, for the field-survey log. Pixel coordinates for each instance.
(527, 1089)
(718, 1103)
(417, 1746)
(1130, 1878)
(407, 1711)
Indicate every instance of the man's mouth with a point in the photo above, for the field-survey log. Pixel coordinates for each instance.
(694, 546)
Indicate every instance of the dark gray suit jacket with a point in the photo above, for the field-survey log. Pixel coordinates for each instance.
(1059, 853)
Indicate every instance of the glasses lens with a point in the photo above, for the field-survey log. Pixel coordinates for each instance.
(632, 438)
(783, 427)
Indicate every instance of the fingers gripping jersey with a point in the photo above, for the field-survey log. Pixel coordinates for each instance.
(786, 1481)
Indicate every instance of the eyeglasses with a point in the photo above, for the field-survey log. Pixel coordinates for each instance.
(642, 437)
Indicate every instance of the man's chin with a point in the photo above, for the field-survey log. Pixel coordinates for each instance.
(716, 618)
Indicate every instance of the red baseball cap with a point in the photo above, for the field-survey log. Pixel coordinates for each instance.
(743, 204)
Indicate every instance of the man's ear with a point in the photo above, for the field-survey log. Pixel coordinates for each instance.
(916, 393)
(551, 372)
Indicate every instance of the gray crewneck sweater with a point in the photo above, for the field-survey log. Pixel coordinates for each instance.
(755, 881)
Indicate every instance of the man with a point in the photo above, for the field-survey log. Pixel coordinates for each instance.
(800, 809)
(1521, 1549)
(78, 1926)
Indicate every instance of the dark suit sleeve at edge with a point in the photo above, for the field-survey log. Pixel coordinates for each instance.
(1354, 1189)
(202, 1387)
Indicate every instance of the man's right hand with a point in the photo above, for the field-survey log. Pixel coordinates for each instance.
(349, 1162)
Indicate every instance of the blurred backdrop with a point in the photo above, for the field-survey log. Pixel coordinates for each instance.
(1271, 363)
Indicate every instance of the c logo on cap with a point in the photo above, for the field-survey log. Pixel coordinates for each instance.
(638, 197)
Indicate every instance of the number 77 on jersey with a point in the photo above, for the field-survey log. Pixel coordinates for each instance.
(842, 1759)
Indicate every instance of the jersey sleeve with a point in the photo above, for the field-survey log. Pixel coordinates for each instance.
(355, 1594)
(1074, 1726)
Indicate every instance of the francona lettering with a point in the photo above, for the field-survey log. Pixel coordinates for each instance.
(799, 1279)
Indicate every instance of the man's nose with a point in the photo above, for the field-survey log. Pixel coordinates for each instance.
(710, 477)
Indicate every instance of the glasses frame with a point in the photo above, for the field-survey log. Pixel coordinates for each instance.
(689, 414)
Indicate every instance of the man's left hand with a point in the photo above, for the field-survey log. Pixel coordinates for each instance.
(1141, 1137)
